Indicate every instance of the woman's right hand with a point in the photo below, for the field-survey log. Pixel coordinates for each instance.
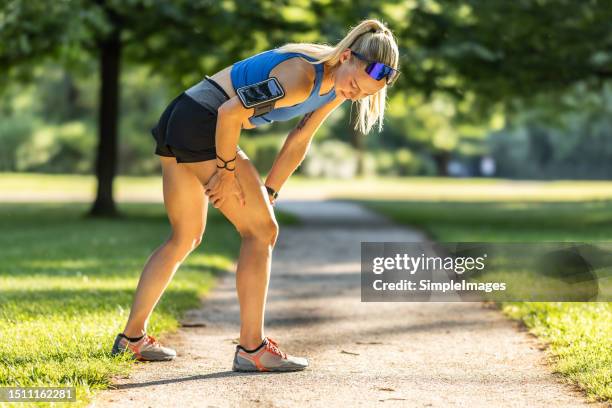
(222, 185)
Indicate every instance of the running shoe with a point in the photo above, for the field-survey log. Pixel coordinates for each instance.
(267, 357)
(145, 349)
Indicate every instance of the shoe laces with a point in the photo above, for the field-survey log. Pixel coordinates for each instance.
(272, 346)
(151, 340)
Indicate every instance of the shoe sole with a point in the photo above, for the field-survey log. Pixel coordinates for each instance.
(158, 359)
(271, 370)
(133, 356)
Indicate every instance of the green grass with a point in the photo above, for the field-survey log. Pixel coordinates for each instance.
(579, 334)
(504, 222)
(67, 282)
(413, 189)
(70, 183)
(419, 189)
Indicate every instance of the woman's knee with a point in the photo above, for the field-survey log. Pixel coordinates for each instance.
(186, 242)
(263, 232)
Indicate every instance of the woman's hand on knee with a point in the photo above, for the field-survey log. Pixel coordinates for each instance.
(221, 186)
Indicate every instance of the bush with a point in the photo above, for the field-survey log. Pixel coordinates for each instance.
(330, 158)
(401, 162)
(385, 163)
(369, 164)
(14, 132)
(407, 163)
(136, 152)
(67, 148)
(265, 156)
(262, 150)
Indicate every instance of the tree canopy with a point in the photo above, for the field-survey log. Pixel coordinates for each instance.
(477, 57)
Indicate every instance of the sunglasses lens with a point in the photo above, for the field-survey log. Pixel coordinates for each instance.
(377, 70)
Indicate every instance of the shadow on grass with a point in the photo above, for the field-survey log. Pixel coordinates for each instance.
(55, 239)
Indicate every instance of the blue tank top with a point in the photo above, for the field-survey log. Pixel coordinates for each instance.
(257, 68)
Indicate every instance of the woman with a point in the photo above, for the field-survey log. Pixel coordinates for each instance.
(197, 139)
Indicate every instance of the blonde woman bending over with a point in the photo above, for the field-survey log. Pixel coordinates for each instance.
(197, 141)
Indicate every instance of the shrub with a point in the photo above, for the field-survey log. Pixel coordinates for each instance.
(67, 148)
(14, 132)
(400, 162)
(330, 158)
(261, 150)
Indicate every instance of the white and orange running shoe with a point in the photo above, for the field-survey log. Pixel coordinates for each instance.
(266, 357)
(145, 349)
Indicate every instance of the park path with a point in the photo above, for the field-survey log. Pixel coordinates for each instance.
(361, 354)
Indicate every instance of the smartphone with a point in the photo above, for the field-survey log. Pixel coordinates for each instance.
(260, 93)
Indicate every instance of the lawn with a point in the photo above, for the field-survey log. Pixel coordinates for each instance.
(66, 286)
(579, 334)
(66, 282)
(439, 189)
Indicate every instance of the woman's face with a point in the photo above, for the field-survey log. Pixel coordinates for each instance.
(351, 80)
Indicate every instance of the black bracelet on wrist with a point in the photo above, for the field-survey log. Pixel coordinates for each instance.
(225, 162)
(271, 192)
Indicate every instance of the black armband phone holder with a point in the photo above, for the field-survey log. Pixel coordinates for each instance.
(261, 95)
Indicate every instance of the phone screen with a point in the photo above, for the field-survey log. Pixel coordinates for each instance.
(261, 92)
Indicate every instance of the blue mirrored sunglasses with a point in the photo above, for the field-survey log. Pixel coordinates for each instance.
(378, 70)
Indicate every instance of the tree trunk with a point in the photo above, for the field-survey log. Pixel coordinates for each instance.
(441, 159)
(106, 160)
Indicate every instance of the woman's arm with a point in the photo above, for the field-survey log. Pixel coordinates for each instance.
(230, 116)
(223, 182)
(297, 143)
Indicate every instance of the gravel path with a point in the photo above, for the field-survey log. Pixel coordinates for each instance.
(361, 354)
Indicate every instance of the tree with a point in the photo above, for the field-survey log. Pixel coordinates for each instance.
(171, 37)
(493, 59)
(484, 52)
(499, 50)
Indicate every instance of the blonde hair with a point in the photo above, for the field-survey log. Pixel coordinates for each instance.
(370, 38)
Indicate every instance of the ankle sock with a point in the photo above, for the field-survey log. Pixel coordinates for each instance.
(252, 351)
(132, 339)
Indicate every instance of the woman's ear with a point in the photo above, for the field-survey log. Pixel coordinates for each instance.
(345, 55)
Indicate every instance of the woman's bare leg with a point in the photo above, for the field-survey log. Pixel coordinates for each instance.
(186, 205)
(258, 228)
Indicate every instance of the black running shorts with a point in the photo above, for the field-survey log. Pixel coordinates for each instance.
(186, 128)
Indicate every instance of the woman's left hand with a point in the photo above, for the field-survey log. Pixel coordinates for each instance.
(222, 185)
